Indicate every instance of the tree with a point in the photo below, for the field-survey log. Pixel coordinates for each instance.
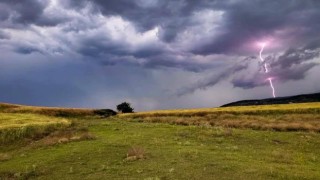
(125, 108)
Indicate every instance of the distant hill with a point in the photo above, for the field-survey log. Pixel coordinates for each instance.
(304, 98)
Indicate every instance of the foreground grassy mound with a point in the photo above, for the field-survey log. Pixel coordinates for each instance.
(288, 117)
(49, 111)
(134, 150)
(14, 126)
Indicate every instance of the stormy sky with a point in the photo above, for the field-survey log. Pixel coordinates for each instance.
(156, 54)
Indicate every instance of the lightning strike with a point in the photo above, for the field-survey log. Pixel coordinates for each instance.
(266, 68)
(272, 87)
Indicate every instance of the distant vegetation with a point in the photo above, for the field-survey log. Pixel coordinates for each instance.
(304, 98)
(104, 112)
(125, 108)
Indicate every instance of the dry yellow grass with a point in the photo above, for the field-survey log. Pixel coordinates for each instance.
(15, 126)
(313, 108)
(288, 117)
(8, 120)
(19, 121)
(135, 153)
(49, 111)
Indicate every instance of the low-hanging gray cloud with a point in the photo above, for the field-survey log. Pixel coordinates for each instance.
(215, 78)
(296, 56)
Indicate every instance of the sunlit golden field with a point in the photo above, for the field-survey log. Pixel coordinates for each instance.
(15, 126)
(262, 109)
(48, 111)
(21, 120)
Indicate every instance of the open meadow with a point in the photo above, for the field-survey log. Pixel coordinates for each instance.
(254, 142)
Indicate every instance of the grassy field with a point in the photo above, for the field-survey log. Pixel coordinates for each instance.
(288, 117)
(134, 146)
(259, 110)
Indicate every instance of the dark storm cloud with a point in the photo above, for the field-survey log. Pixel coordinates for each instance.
(26, 50)
(189, 35)
(283, 75)
(170, 60)
(18, 14)
(4, 12)
(95, 47)
(173, 16)
(24, 12)
(242, 21)
(203, 84)
(293, 64)
(295, 56)
(215, 78)
(246, 21)
(4, 35)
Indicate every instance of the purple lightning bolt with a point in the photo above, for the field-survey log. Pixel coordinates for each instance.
(266, 68)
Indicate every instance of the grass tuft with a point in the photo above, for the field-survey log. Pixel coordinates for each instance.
(136, 153)
(5, 157)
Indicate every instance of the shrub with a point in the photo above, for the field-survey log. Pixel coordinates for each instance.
(105, 112)
(125, 108)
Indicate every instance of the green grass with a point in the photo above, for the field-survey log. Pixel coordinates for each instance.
(204, 148)
(172, 152)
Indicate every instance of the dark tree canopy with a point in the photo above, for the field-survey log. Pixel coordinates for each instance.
(125, 108)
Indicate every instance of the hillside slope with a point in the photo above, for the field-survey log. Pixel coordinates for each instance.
(304, 98)
(279, 117)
